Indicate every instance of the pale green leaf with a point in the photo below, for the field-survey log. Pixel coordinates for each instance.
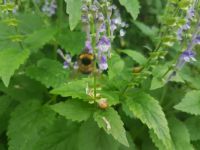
(10, 61)
(132, 6)
(74, 11)
(111, 122)
(180, 136)
(190, 103)
(148, 110)
(26, 124)
(75, 110)
(136, 56)
(49, 72)
(75, 89)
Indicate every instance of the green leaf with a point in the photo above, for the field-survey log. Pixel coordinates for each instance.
(131, 144)
(148, 31)
(75, 89)
(74, 11)
(10, 60)
(23, 89)
(74, 109)
(111, 122)
(62, 135)
(6, 106)
(116, 66)
(49, 72)
(136, 56)
(190, 103)
(39, 38)
(111, 96)
(26, 124)
(132, 6)
(91, 137)
(193, 124)
(179, 134)
(72, 42)
(148, 110)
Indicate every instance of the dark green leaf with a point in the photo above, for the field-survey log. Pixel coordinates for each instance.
(111, 122)
(26, 123)
(49, 72)
(148, 110)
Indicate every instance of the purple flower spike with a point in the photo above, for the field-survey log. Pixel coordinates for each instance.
(186, 56)
(104, 44)
(66, 65)
(186, 26)
(197, 40)
(103, 63)
(190, 13)
(180, 34)
(88, 47)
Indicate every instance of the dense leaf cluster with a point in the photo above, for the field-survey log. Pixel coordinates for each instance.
(46, 107)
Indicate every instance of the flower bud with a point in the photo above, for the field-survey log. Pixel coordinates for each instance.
(103, 104)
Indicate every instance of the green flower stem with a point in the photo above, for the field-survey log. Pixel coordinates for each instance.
(94, 53)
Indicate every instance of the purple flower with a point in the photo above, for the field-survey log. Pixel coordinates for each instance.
(88, 47)
(103, 65)
(49, 8)
(104, 44)
(196, 40)
(186, 26)
(190, 13)
(186, 56)
(66, 65)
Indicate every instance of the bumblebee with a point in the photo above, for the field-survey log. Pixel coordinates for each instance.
(86, 63)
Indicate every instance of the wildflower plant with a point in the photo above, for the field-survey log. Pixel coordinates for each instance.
(99, 74)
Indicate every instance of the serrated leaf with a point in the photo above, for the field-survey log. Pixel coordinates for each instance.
(74, 11)
(131, 144)
(132, 6)
(62, 135)
(72, 42)
(180, 136)
(136, 56)
(111, 122)
(23, 89)
(193, 124)
(148, 110)
(75, 110)
(75, 89)
(190, 103)
(39, 38)
(10, 61)
(26, 123)
(91, 137)
(49, 72)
